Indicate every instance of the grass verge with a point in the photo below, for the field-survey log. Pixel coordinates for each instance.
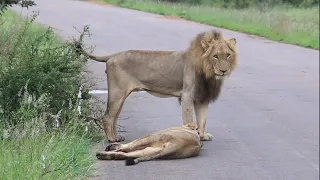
(285, 24)
(50, 156)
(42, 135)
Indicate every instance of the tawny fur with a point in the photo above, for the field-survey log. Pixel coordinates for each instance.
(195, 76)
(196, 50)
(171, 143)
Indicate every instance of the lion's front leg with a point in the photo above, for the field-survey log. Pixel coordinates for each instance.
(201, 110)
(187, 108)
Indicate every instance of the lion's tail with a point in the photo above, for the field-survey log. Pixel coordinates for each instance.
(80, 51)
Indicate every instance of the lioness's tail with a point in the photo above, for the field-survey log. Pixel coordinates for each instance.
(156, 155)
(132, 161)
(80, 51)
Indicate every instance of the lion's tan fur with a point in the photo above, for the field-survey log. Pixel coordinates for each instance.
(196, 50)
(171, 143)
(194, 75)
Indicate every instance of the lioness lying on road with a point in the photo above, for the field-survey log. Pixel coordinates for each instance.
(195, 76)
(171, 143)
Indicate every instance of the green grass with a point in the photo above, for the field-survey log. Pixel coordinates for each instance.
(39, 79)
(285, 24)
(51, 156)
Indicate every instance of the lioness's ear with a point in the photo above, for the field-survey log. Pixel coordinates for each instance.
(232, 41)
(205, 45)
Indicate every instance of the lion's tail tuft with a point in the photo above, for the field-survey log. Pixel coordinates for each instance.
(80, 50)
(78, 47)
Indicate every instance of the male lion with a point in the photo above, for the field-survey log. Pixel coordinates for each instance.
(171, 143)
(194, 76)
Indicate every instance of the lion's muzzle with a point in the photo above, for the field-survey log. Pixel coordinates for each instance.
(222, 68)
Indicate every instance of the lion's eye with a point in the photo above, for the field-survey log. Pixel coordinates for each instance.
(215, 56)
(228, 55)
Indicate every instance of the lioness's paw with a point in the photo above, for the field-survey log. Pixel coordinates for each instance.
(113, 147)
(206, 137)
(101, 155)
(105, 155)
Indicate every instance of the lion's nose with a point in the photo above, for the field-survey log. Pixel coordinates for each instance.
(223, 71)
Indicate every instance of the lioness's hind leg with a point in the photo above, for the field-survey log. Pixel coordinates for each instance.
(138, 144)
(166, 150)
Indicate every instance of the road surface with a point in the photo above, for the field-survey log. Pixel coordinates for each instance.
(265, 123)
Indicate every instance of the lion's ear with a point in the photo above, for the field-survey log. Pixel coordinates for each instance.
(205, 45)
(232, 41)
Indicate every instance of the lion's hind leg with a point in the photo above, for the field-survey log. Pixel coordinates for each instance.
(115, 103)
(119, 88)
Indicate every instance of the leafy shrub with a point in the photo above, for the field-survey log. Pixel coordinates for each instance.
(42, 134)
(39, 76)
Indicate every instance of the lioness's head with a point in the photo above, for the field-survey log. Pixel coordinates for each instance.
(213, 55)
(192, 126)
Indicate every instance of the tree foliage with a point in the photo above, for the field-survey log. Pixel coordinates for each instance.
(5, 4)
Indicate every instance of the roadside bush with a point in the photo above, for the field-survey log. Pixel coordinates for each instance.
(32, 55)
(41, 146)
(40, 81)
(42, 133)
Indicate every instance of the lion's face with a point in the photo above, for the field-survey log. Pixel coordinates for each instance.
(220, 58)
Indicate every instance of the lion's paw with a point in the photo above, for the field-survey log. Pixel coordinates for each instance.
(113, 147)
(117, 139)
(206, 137)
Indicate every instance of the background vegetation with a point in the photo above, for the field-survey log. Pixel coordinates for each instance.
(240, 4)
(289, 21)
(42, 133)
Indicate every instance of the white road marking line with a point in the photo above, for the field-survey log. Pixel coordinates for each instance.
(98, 92)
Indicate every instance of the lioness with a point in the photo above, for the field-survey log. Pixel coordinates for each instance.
(194, 76)
(171, 143)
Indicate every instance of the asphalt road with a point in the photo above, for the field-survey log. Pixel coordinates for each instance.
(265, 123)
